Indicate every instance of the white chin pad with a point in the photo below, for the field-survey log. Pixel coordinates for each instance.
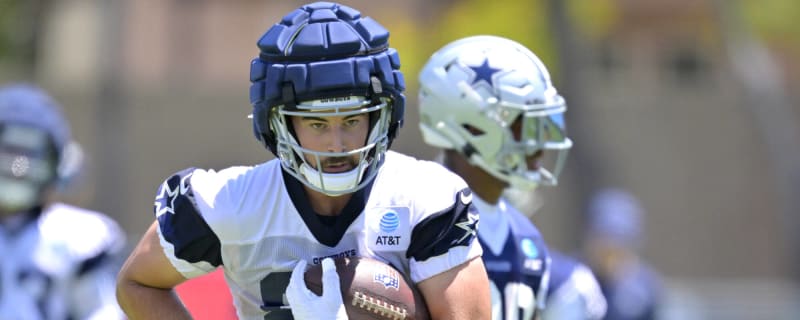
(17, 195)
(334, 182)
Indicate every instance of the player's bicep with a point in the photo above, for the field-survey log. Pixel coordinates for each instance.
(444, 292)
(148, 265)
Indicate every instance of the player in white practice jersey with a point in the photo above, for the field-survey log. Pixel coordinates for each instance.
(327, 99)
(489, 104)
(58, 260)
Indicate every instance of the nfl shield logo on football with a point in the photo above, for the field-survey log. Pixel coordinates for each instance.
(389, 278)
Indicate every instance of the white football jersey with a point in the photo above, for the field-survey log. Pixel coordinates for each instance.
(58, 264)
(256, 223)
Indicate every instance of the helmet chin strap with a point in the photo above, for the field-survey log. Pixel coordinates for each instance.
(333, 182)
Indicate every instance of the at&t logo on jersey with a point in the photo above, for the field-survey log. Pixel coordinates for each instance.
(390, 221)
(389, 228)
(388, 224)
(532, 260)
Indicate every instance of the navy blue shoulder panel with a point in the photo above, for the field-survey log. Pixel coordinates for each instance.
(449, 228)
(181, 223)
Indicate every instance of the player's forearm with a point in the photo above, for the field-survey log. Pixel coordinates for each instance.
(142, 302)
(444, 293)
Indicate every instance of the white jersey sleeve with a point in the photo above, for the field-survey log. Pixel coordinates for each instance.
(443, 219)
(187, 204)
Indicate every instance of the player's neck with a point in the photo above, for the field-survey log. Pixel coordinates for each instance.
(482, 183)
(488, 193)
(326, 205)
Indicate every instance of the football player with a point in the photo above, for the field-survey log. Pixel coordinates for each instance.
(488, 102)
(611, 247)
(58, 260)
(574, 292)
(327, 97)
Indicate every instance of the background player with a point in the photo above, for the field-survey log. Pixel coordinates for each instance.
(327, 101)
(613, 238)
(574, 292)
(58, 260)
(489, 103)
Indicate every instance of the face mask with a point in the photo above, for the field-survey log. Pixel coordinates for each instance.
(17, 195)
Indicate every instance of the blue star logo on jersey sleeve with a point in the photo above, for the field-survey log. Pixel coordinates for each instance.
(483, 72)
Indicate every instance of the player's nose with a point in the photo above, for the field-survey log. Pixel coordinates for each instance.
(336, 138)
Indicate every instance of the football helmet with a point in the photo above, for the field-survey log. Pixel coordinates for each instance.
(475, 91)
(616, 214)
(36, 149)
(325, 59)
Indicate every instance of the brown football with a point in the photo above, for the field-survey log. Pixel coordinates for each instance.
(372, 289)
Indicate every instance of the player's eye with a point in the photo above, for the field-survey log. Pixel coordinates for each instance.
(352, 122)
(317, 125)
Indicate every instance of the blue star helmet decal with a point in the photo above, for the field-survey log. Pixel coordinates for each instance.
(483, 72)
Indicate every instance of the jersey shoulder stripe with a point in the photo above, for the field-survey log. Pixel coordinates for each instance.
(200, 210)
(181, 224)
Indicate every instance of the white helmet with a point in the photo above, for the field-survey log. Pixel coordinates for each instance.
(474, 89)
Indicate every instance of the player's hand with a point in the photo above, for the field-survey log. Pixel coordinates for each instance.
(306, 304)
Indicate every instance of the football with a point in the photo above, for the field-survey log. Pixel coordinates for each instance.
(372, 289)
